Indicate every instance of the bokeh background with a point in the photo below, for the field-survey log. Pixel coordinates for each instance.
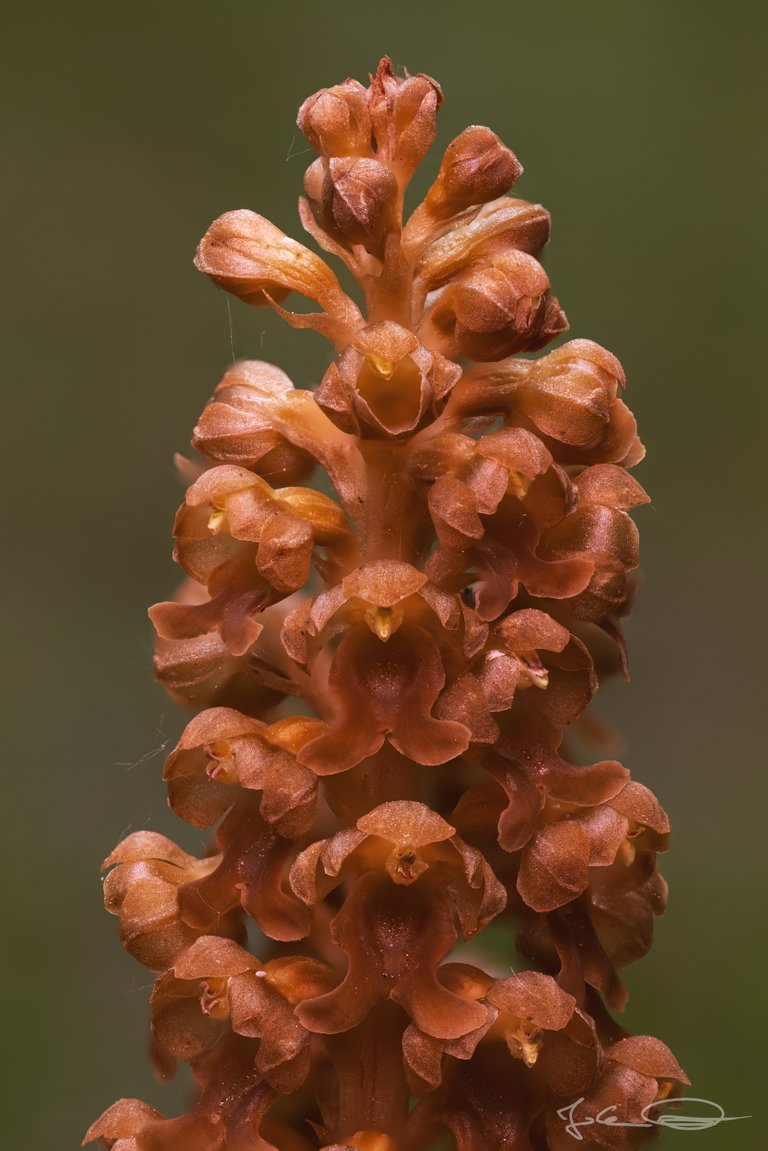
(128, 128)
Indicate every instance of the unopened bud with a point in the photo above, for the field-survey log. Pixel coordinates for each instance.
(498, 309)
(476, 168)
(504, 223)
(403, 115)
(248, 256)
(336, 121)
(359, 202)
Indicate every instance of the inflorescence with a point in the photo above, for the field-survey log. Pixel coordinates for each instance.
(385, 675)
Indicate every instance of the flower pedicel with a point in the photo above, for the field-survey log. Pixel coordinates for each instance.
(382, 681)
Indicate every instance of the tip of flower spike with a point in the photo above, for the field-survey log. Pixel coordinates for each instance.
(387, 74)
(385, 71)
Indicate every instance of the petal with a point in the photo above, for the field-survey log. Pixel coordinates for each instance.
(453, 507)
(405, 822)
(259, 1011)
(529, 630)
(648, 1056)
(477, 895)
(553, 870)
(611, 486)
(640, 804)
(250, 872)
(141, 845)
(182, 1029)
(202, 671)
(435, 1010)
(517, 823)
(385, 931)
(607, 830)
(586, 785)
(517, 450)
(569, 1059)
(384, 583)
(284, 556)
(466, 702)
(385, 688)
(210, 956)
(533, 997)
(289, 790)
(122, 1120)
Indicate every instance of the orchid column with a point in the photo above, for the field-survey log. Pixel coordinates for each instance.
(386, 677)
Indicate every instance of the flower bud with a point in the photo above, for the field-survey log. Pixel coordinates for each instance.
(236, 428)
(359, 200)
(476, 168)
(120, 1123)
(497, 309)
(403, 115)
(246, 255)
(503, 224)
(336, 121)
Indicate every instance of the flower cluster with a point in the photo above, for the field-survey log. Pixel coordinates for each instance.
(386, 676)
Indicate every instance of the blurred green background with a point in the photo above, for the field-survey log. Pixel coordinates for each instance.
(128, 128)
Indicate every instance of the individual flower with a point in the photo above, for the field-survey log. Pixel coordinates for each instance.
(337, 121)
(443, 251)
(230, 1110)
(403, 117)
(142, 888)
(216, 986)
(415, 885)
(385, 383)
(496, 308)
(638, 1071)
(476, 168)
(559, 538)
(525, 649)
(221, 751)
(201, 670)
(610, 924)
(386, 672)
(251, 546)
(538, 1022)
(257, 419)
(245, 254)
(569, 397)
(236, 427)
(354, 201)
